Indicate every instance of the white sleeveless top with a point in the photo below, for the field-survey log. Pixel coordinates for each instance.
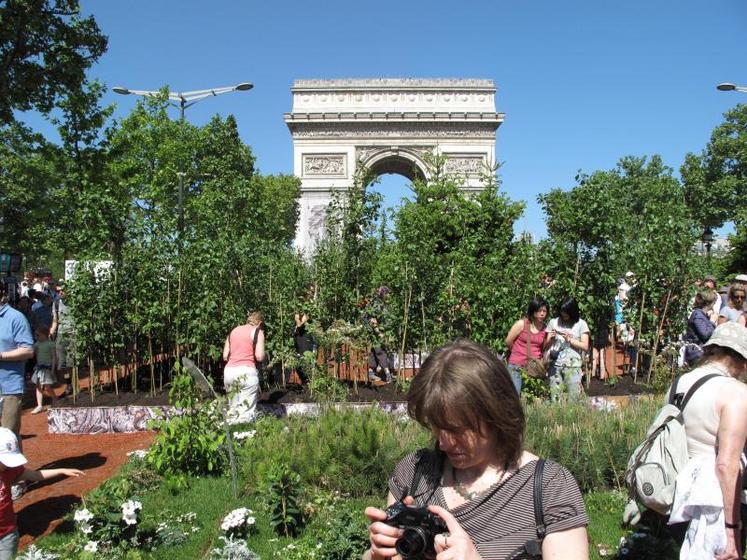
(701, 419)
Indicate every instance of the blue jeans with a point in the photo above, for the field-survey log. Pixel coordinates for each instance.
(9, 546)
(515, 372)
(565, 378)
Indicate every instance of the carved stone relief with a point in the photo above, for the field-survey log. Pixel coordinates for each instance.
(317, 221)
(324, 164)
(366, 153)
(374, 131)
(469, 165)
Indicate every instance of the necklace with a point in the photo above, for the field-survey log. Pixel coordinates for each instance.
(469, 495)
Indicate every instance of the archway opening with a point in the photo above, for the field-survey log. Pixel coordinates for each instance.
(395, 175)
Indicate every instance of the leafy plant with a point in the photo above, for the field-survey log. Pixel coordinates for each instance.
(285, 494)
(192, 442)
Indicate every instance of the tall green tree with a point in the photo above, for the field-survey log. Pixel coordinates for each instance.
(45, 49)
(86, 209)
(716, 182)
(630, 218)
(27, 177)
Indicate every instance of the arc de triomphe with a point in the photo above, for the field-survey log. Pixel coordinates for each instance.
(386, 125)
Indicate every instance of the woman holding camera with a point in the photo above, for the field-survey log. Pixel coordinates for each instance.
(568, 336)
(478, 479)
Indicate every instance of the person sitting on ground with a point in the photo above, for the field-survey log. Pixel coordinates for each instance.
(699, 326)
(516, 340)
(732, 312)
(478, 478)
(11, 472)
(44, 376)
(568, 335)
(375, 313)
(243, 349)
(715, 422)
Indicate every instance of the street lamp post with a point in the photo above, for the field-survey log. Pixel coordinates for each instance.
(183, 101)
(707, 240)
(728, 86)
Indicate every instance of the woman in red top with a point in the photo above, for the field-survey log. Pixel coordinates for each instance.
(244, 347)
(533, 325)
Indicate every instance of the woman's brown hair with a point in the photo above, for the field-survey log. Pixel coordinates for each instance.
(464, 386)
(255, 317)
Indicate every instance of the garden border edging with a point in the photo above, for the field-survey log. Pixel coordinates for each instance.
(129, 418)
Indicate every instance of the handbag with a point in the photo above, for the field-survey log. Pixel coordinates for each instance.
(535, 368)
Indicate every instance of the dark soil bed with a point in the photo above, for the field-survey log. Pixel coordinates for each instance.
(622, 386)
(293, 393)
(109, 398)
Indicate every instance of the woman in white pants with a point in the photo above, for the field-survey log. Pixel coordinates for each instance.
(244, 347)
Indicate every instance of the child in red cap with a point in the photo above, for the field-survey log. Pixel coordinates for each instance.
(12, 470)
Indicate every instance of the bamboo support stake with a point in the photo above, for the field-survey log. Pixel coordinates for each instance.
(91, 378)
(408, 298)
(422, 313)
(153, 366)
(658, 336)
(638, 351)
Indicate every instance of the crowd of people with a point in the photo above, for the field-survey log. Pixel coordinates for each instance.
(469, 398)
(21, 344)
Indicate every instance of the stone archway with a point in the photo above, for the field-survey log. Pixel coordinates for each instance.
(386, 125)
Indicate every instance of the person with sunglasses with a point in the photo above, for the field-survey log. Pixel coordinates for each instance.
(733, 312)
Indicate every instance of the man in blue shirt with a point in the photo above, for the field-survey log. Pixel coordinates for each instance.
(16, 346)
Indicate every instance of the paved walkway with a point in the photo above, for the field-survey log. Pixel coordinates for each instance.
(40, 510)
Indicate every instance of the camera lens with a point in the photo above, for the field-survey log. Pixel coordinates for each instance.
(412, 543)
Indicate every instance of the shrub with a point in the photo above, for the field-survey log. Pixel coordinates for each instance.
(594, 445)
(351, 452)
(192, 442)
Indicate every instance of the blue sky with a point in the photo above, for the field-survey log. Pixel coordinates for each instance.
(582, 83)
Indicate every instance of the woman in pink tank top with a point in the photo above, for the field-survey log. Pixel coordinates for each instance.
(516, 340)
(244, 347)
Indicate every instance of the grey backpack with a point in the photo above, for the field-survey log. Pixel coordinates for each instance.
(655, 463)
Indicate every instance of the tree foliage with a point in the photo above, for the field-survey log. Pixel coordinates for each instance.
(45, 49)
(630, 218)
(716, 182)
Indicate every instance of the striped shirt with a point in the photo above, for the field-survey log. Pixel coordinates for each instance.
(500, 520)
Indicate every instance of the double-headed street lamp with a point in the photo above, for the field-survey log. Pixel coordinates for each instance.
(183, 101)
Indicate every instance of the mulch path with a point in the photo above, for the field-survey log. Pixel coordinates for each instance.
(100, 455)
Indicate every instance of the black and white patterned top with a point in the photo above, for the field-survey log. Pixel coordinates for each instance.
(500, 520)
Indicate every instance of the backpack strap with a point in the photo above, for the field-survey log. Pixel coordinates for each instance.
(418, 474)
(533, 548)
(539, 513)
(683, 403)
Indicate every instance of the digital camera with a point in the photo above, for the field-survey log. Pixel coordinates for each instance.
(419, 529)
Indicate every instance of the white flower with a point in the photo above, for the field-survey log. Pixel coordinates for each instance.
(138, 453)
(92, 546)
(83, 515)
(237, 518)
(129, 511)
(131, 506)
(244, 435)
(86, 528)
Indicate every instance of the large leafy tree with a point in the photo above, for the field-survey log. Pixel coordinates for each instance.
(27, 176)
(630, 218)
(459, 260)
(86, 210)
(716, 182)
(45, 49)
